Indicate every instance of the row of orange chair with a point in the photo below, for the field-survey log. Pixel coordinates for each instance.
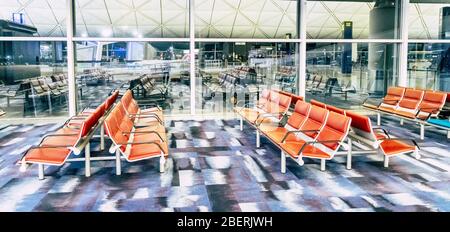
(375, 139)
(136, 134)
(410, 104)
(317, 130)
(74, 137)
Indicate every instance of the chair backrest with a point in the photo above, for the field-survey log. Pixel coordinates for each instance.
(362, 128)
(432, 101)
(92, 120)
(318, 103)
(315, 121)
(300, 114)
(336, 128)
(393, 95)
(265, 96)
(336, 109)
(111, 99)
(411, 99)
(113, 129)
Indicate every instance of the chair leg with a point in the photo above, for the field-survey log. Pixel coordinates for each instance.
(23, 165)
(118, 164)
(322, 164)
(417, 154)
(102, 137)
(241, 124)
(283, 162)
(349, 154)
(422, 131)
(87, 160)
(162, 163)
(378, 119)
(386, 161)
(41, 171)
(300, 161)
(258, 139)
(401, 121)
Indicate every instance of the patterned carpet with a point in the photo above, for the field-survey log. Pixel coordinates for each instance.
(216, 167)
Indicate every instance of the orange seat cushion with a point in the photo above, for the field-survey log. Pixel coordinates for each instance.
(405, 114)
(314, 152)
(144, 151)
(55, 156)
(386, 109)
(394, 147)
(292, 147)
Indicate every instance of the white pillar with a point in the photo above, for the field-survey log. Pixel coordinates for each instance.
(301, 30)
(403, 61)
(87, 160)
(349, 154)
(71, 57)
(192, 54)
(283, 162)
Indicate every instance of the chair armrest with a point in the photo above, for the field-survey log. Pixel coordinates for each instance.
(266, 116)
(402, 139)
(263, 115)
(296, 131)
(144, 132)
(382, 129)
(314, 142)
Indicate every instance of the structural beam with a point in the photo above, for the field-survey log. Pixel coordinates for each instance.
(71, 58)
(192, 54)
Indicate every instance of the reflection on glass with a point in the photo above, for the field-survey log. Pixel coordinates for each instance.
(245, 19)
(377, 19)
(429, 66)
(227, 73)
(429, 19)
(137, 19)
(33, 79)
(157, 73)
(33, 18)
(344, 74)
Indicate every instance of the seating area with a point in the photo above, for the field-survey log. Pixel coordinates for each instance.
(319, 131)
(422, 107)
(136, 134)
(72, 138)
(327, 86)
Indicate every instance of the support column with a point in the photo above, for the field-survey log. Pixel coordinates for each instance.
(71, 58)
(301, 51)
(403, 53)
(192, 54)
(383, 25)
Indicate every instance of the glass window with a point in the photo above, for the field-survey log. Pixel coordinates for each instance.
(137, 19)
(429, 19)
(344, 74)
(43, 18)
(33, 79)
(228, 73)
(353, 19)
(429, 66)
(155, 72)
(245, 19)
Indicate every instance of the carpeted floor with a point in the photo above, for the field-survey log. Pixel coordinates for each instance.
(216, 167)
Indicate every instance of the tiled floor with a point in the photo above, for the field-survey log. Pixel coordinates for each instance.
(216, 167)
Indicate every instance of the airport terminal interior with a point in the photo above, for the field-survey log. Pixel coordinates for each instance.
(225, 105)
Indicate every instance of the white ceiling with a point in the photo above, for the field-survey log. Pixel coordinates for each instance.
(213, 18)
